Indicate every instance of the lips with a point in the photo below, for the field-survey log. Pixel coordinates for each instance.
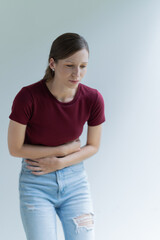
(75, 81)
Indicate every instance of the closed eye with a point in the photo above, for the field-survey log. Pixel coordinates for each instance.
(72, 66)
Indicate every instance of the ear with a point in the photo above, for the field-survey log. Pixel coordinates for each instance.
(52, 63)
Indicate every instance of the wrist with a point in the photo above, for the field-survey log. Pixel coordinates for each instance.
(60, 162)
(60, 151)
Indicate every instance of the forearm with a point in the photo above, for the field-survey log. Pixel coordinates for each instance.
(76, 157)
(37, 151)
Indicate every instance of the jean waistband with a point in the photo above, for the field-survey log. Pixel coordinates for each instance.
(75, 167)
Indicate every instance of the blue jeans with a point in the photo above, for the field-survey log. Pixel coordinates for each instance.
(65, 192)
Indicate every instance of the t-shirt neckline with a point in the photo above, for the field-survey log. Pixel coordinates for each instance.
(56, 100)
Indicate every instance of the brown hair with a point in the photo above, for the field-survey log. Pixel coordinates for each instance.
(64, 46)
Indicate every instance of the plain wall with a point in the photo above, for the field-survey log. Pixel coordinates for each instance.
(124, 38)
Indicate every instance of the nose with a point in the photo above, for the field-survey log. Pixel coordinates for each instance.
(76, 72)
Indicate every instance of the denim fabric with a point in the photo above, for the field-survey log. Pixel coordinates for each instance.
(65, 192)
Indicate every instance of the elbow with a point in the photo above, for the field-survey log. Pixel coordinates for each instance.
(13, 152)
(14, 149)
(94, 148)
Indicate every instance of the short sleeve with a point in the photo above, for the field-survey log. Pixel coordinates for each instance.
(97, 114)
(22, 106)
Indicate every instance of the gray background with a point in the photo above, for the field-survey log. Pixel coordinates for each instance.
(124, 41)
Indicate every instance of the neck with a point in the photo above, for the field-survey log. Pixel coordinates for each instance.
(61, 92)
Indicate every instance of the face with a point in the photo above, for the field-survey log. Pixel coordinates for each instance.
(71, 70)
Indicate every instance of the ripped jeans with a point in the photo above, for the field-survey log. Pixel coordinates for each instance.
(65, 192)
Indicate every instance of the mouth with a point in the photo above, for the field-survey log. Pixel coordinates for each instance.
(74, 81)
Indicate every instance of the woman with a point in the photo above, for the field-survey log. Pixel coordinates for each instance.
(46, 121)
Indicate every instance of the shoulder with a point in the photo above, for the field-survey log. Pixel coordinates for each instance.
(91, 93)
(25, 96)
(88, 92)
(28, 91)
(95, 102)
(33, 87)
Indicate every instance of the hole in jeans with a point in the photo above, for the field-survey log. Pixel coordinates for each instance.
(85, 221)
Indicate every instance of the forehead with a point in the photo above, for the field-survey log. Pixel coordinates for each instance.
(79, 56)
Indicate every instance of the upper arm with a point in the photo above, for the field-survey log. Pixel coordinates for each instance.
(94, 135)
(97, 113)
(16, 136)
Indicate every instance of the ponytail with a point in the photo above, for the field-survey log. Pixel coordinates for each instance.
(49, 74)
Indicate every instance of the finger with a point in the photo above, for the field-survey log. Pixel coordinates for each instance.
(34, 160)
(38, 173)
(34, 168)
(32, 163)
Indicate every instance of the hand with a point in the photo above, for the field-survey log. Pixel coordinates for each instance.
(43, 165)
(71, 147)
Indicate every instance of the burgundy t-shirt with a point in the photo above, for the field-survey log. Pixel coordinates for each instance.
(51, 122)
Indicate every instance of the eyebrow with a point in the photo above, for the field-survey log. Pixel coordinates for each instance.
(73, 62)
